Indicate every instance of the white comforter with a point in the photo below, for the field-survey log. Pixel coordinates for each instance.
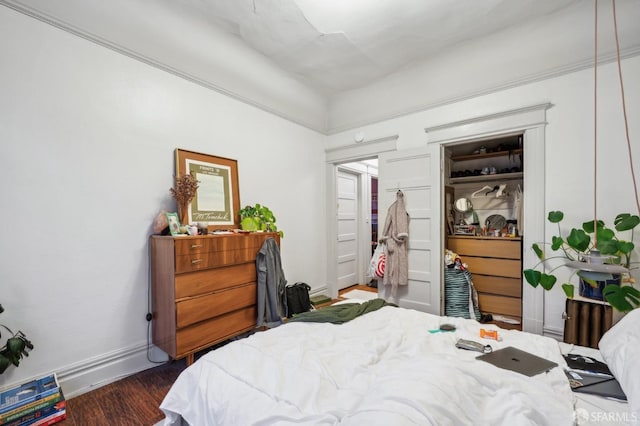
(383, 368)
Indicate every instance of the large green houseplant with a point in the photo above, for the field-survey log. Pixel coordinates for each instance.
(577, 245)
(258, 218)
(15, 347)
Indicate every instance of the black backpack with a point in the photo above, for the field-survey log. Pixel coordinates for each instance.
(298, 299)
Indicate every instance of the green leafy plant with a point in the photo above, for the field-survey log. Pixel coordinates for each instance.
(15, 348)
(258, 218)
(577, 244)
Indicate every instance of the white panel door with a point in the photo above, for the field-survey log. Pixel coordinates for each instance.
(411, 171)
(347, 238)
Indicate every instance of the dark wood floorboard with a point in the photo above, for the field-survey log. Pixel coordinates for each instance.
(134, 400)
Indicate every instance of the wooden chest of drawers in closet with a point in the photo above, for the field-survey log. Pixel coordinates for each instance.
(496, 268)
(203, 289)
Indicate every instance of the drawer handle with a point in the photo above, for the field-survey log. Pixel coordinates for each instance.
(196, 261)
(195, 246)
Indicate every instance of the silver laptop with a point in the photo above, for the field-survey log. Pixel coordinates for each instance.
(514, 359)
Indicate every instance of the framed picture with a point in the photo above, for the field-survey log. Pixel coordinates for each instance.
(174, 223)
(217, 200)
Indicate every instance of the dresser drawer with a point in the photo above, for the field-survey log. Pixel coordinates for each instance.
(198, 261)
(489, 266)
(498, 285)
(490, 303)
(501, 248)
(187, 246)
(196, 309)
(210, 280)
(207, 333)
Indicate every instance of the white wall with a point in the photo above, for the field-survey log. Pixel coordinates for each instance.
(88, 139)
(569, 145)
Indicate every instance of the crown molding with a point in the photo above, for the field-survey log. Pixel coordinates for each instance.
(507, 84)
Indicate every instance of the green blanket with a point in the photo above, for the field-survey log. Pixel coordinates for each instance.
(338, 314)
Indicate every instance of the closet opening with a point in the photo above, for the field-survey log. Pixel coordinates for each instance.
(483, 182)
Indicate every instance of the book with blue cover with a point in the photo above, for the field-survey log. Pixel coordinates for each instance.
(28, 392)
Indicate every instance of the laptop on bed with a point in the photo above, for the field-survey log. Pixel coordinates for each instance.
(517, 360)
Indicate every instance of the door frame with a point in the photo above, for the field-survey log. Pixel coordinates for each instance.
(531, 120)
(334, 158)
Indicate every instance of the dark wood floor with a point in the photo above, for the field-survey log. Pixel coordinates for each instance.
(131, 401)
(134, 400)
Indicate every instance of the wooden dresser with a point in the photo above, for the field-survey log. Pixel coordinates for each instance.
(496, 268)
(203, 289)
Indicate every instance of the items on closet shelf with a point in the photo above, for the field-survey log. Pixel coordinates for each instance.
(499, 190)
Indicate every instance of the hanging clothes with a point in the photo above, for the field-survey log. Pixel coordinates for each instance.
(395, 235)
(271, 294)
(517, 207)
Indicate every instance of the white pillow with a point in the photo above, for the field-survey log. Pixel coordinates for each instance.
(620, 349)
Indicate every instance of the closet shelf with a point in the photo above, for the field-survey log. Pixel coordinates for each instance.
(487, 178)
(486, 155)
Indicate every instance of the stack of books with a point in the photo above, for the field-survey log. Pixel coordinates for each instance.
(37, 402)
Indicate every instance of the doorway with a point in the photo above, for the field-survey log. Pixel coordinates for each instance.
(531, 121)
(356, 220)
(482, 183)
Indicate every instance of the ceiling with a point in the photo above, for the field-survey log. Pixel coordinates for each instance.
(337, 45)
(319, 62)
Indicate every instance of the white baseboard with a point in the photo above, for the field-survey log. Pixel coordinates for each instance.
(92, 373)
(318, 290)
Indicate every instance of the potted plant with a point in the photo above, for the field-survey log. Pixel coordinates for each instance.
(258, 218)
(15, 347)
(577, 247)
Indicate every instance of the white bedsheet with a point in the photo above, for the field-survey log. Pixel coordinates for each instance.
(383, 368)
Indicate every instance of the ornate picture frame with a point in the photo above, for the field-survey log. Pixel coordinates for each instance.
(217, 199)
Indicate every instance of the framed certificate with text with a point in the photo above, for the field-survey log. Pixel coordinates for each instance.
(217, 199)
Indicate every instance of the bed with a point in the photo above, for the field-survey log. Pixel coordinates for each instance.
(382, 368)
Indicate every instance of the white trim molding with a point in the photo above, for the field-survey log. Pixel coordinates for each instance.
(489, 125)
(362, 149)
(92, 373)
